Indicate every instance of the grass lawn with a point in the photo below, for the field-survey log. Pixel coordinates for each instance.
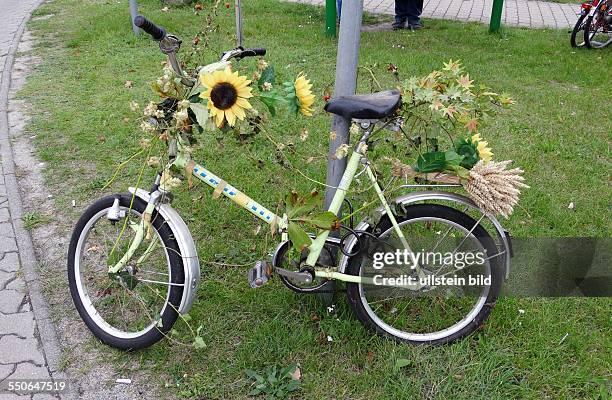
(559, 132)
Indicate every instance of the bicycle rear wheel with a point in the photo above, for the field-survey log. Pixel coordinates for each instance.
(435, 313)
(597, 33)
(134, 308)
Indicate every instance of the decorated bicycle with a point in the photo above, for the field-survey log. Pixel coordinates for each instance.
(133, 265)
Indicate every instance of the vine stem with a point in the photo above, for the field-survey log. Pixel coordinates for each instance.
(120, 167)
(144, 164)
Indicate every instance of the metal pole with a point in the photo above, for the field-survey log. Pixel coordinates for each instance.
(346, 81)
(330, 18)
(133, 14)
(496, 14)
(239, 37)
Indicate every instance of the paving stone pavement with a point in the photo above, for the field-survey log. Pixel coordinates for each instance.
(525, 13)
(28, 344)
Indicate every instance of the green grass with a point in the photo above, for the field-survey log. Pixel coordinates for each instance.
(33, 219)
(559, 132)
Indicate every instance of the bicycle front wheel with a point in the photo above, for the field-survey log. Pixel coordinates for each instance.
(577, 32)
(134, 308)
(451, 292)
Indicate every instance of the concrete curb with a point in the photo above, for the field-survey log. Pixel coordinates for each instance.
(46, 330)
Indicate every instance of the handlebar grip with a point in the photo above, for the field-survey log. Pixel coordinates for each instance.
(157, 32)
(258, 51)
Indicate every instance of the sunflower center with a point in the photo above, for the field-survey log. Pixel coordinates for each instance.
(223, 95)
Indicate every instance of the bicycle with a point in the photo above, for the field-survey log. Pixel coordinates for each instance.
(598, 25)
(130, 293)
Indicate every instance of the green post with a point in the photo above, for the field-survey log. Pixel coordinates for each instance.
(496, 13)
(330, 18)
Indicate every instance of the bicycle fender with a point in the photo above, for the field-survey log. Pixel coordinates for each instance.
(502, 235)
(189, 253)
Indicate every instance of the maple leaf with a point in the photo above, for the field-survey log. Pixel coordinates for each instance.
(505, 100)
(436, 105)
(449, 111)
(427, 83)
(452, 66)
(465, 82)
(471, 125)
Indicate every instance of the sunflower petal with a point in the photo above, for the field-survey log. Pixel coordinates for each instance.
(231, 117)
(219, 117)
(238, 111)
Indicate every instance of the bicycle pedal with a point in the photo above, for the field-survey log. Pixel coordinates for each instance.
(260, 274)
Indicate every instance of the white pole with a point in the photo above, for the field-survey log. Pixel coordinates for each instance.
(133, 14)
(346, 81)
(239, 37)
(347, 61)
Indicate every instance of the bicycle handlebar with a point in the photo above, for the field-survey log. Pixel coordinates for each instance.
(170, 44)
(156, 32)
(253, 52)
(240, 52)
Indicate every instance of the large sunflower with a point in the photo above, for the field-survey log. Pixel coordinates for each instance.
(227, 95)
(304, 94)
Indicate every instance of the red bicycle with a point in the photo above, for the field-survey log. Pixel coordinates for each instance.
(598, 24)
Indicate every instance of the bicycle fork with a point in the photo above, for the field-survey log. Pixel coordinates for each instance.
(142, 229)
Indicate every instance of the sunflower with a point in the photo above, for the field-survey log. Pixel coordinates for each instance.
(304, 94)
(484, 152)
(227, 95)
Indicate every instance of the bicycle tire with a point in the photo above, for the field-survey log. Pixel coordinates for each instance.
(577, 28)
(356, 300)
(84, 305)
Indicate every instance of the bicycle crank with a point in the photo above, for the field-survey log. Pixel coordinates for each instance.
(305, 275)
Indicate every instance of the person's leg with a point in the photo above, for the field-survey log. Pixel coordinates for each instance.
(401, 13)
(414, 8)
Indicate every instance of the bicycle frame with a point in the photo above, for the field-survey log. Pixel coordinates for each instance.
(220, 186)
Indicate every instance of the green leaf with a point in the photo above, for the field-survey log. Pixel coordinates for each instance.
(401, 363)
(468, 150)
(288, 370)
(452, 158)
(198, 343)
(254, 375)
(298, 206)
(293, 385)
(326, 220)
(298, 236)
(271, 99)
(201, 113)
(195, 99)
(433, 161)
(267, 75)
(216, 66)
(293, 103)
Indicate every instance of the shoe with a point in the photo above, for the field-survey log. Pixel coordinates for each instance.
(416, 26)
(397, 25)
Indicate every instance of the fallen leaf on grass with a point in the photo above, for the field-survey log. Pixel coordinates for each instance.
(296, 374)
(401, 363)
